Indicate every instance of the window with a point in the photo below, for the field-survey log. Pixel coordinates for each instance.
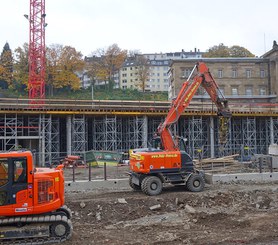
(220, 73)
(248, 73)
(3, 171)
(124, 87)
(262, 91)
(158, 80)
(221, 88)
(249, 91)
(124, 81)
(124, 75)
(130, 68)
(165, 74)
(234, 91)
(262, 73)
(20, 171)
(234, 73)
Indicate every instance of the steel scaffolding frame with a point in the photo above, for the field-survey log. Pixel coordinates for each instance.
(275, 130)
(11, 126)
(105, 133)
(134, 133)
(263, 135)
(78, 134)
(247, 135)
(196, 130)
(153, 123)
(49, 139)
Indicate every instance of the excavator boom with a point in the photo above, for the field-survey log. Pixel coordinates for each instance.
(202, 78)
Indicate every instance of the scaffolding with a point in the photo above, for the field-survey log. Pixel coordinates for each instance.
(134, 133)
(195, 129)
(78, 134)
(48, 134)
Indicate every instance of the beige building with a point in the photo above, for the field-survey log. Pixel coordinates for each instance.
(254, 79)
(158, 66)
(157, 79)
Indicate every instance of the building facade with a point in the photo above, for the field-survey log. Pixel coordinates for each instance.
(239, 78)
(252, 79)
(158, 67)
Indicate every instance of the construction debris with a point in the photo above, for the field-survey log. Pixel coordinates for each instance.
(223, 164)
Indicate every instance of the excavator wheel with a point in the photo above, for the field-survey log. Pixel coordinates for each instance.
(132, 185)
(152, 185)
(195, 183)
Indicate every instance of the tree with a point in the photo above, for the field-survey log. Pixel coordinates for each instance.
(224, 51)
(142, 71)
(21, 69)
(237, 51)
(63, 64)
(6, 67)
(114, 58)
(218, 51)
(105, 63)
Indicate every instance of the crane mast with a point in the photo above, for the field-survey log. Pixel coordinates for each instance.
(36, 80)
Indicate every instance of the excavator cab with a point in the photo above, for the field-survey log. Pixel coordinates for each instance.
(31, 201)
(13, 179)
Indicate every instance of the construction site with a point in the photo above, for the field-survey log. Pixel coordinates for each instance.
(189, 170)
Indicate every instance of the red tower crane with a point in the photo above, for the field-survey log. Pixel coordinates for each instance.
(36, 80)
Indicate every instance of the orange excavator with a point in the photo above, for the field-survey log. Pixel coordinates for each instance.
(166, 161)
(32, 209)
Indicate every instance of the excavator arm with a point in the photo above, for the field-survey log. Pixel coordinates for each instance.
(183, 100)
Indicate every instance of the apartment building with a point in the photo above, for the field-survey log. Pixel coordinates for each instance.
(158, 67)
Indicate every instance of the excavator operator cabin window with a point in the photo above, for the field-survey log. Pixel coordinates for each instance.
(20, 171)
(3, 171)
(4, 179)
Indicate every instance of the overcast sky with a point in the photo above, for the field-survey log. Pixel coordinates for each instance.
(151, 26)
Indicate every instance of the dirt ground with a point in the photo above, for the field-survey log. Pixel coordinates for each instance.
(245, 213)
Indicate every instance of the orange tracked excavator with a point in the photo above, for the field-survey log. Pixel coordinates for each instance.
(166, 161)
(32, 209)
